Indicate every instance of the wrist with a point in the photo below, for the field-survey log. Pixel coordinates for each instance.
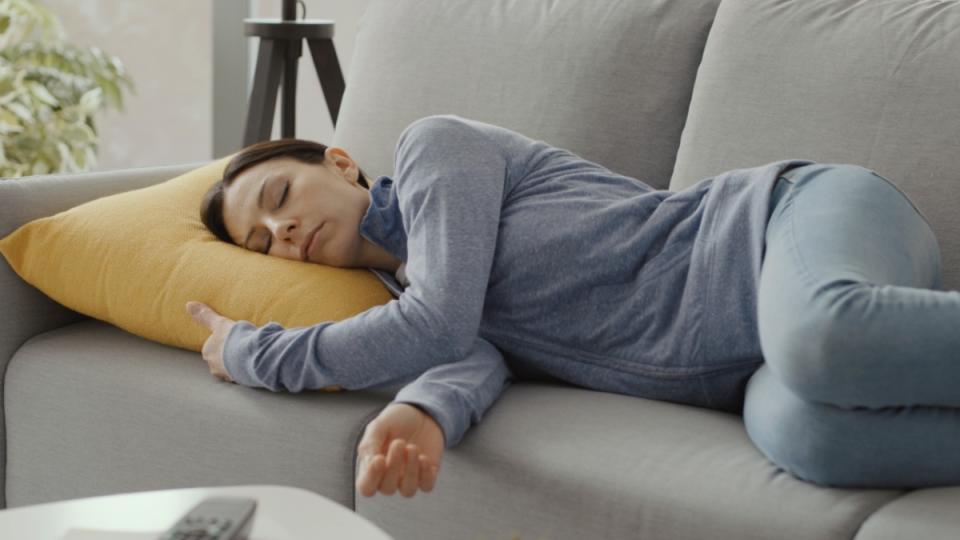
(416, 406)
(425, 413)
(429, 418)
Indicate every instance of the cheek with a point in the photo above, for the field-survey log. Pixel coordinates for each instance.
(338, 248)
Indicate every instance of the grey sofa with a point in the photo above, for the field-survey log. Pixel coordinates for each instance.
(666, 91)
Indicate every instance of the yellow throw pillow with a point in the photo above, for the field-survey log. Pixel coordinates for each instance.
(135, 259)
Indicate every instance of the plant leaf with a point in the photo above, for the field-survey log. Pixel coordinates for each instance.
(41, 93)
(21, 111)
(91, 100)
(51, 92)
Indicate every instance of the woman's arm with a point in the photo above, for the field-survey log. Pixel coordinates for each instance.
(450, 179)
(402, 447)
(458, 394)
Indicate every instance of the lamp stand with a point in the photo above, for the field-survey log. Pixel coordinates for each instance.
(281, 44)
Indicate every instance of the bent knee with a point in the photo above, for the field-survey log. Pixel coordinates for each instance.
(809, 348)
(805, 439)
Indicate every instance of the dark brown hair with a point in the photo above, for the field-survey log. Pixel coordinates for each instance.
(211, 209)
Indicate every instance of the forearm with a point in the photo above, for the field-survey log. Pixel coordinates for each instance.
(458, 394)
(368, 350)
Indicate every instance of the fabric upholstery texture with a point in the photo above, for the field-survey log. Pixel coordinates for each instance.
(21, 202)
(873, 83)
(609, 80)
(114, 411)
(109, 257)
(926, 513)
(565, 463)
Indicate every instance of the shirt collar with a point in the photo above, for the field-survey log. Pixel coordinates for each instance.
(382, 224)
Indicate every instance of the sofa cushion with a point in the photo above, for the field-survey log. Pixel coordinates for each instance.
(93, 410)
(835, 81)
(554, 461)
(21, 202)
(135, 258)
(930, 514)
(609, 80)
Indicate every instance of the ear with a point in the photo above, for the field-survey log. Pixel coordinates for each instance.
(341, 160)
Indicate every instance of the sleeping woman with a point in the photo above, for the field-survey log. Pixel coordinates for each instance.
(514, 259)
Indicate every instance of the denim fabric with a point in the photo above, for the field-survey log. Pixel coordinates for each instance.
(527, 260)
(861, 381)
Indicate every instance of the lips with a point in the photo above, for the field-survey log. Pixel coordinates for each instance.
(309, 243)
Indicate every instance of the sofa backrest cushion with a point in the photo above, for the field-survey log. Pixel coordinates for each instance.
(609, 80)
(837, 81)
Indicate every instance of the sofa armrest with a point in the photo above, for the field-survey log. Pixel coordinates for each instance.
(27, 312)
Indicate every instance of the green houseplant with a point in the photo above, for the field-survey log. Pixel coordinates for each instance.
(49, 93)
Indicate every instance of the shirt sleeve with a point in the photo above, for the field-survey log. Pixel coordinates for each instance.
(450, 179)
(458, 394)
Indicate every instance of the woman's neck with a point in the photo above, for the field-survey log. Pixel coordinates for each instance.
(374, 256)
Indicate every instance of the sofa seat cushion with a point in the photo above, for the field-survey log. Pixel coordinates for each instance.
(930, 514)
(548, 455)
(93, 410)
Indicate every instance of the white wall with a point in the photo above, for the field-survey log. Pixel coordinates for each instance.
(167, 47)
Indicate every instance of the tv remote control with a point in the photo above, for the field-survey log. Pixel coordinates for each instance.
(215, 518)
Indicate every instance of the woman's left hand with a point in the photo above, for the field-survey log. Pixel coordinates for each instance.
(400, 451)
(219, 326)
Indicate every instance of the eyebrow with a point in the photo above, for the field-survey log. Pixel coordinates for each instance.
(260, 206)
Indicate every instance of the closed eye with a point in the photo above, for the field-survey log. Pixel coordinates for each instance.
(283, 198)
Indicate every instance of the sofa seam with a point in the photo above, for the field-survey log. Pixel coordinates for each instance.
(6, 435)
(903, 493)
(186, 166)
(3, 426)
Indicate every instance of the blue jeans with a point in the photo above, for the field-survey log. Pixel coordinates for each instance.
(860, 385)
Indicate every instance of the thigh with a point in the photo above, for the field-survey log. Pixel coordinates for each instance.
(845, 222)
(845, 313)
(894, 447)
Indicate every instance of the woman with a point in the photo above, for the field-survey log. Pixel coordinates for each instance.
(525, 260)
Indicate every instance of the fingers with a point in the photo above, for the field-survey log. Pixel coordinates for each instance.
(371, 472)
(388, 466)
(372, 458)
(403, 468)
(201, 313)
(428, 474)
(395, 460)
(410, 479)
(205, 314)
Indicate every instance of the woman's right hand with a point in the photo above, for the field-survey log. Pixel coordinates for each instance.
(400, 449)
(219, 327)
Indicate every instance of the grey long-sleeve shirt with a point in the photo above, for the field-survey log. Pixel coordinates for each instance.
(523, 259)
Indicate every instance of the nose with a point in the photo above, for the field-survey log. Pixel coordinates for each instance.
(282, 229)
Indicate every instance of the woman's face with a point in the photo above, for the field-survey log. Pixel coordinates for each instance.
(299, 202)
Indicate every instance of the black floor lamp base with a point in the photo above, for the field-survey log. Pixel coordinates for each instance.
(281, 42)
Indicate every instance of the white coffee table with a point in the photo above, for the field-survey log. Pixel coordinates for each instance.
(283, 513)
